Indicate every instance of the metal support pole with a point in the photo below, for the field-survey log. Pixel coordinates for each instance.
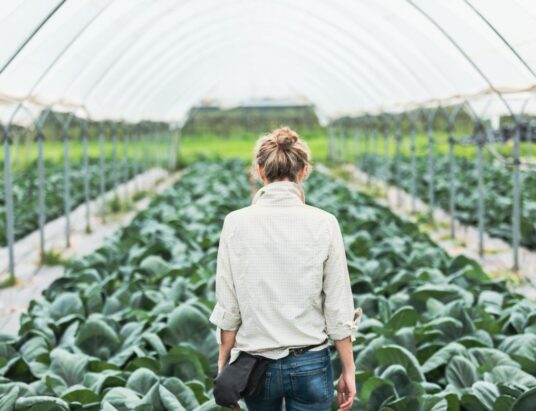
(452, 180)
(480, 143)
(128, 141)
(342, 144)
(431, 168)
(368, 151)
(356, 147)
(125, 176)
(398, 137)
(86, 176)
(102, 173)
(114, 159)
(137, 158)
(41, 193)
(337, 143)
(516, 210)
(10, 223)
(386, 153)
(154, 144)
(171, 147)
(376, 149)
(530, 130)
(163, 162)
(178, 149)
(175, 149)
(145, 153)
(330, 143)
(348, 146)
(413, 147)
(366, 147)
(66, 185)
(164, 143)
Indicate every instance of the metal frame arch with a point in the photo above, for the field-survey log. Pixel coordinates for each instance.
(60, 55)
(201, 80)
(319, 109)
(365, 34)
(157, 79)
(152, 61)
(302, 73)
(171, 39)
(31, 36)
(124, 52)
(501, 37)
(445, 33)
(398, 33)
(319, 15)
(361, 91)
(110, 45)
(172, 68)
(374, 52)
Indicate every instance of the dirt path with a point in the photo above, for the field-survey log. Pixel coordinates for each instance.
(497, 259)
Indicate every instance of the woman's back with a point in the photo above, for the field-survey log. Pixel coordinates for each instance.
(277, 248)
(282, 285)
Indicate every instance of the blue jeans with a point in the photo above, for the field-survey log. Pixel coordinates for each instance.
(304, 380)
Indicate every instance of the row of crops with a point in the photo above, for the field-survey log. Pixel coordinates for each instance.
(127, 327)
(25, 188)
(497, 192)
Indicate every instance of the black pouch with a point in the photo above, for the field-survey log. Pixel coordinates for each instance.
(239, 379)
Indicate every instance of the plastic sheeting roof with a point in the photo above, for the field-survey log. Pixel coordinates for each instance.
(154, 59)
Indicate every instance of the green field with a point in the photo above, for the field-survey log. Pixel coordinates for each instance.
(360, 145)
(25, 155)
(126, 328)
(212, 146)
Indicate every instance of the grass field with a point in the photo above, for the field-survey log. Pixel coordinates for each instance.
(212, 146)
(241, 145)
(24, 155)
(361, 145)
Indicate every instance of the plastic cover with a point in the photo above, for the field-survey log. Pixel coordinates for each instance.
(154, 59)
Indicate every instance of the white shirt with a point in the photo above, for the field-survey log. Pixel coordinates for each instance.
(282, 278)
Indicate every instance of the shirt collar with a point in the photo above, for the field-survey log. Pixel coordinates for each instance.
(280, 193)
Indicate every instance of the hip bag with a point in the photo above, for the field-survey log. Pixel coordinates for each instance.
(242, 377)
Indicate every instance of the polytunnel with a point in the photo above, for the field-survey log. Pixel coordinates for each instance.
(128, 129)
(133, 60)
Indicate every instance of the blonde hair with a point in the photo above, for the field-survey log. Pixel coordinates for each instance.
(282, 154)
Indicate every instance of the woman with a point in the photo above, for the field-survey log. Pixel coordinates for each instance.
(282, 286)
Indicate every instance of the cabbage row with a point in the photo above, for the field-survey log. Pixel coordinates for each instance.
(25, 193)
(127, 327)
(498, 191)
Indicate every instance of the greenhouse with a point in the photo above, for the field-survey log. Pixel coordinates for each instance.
(129, 130)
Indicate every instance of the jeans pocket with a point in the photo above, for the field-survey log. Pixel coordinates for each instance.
(263, 391)
(310, 382)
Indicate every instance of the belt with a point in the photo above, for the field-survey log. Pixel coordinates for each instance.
(301, 350)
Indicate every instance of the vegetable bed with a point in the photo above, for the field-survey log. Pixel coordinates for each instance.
(498, 192)
(25, 193)
(127, 327)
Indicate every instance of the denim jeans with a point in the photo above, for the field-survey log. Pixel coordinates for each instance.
(305, 381)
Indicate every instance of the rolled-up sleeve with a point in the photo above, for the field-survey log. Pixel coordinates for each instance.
(342, 318)
(226, 312)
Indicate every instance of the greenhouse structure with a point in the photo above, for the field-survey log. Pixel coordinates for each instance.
(127, 133)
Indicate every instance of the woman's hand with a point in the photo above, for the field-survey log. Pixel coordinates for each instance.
(346, 391)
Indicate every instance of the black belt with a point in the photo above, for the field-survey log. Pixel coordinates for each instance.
(301, 350)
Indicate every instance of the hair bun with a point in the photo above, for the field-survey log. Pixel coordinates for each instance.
(285, 137)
